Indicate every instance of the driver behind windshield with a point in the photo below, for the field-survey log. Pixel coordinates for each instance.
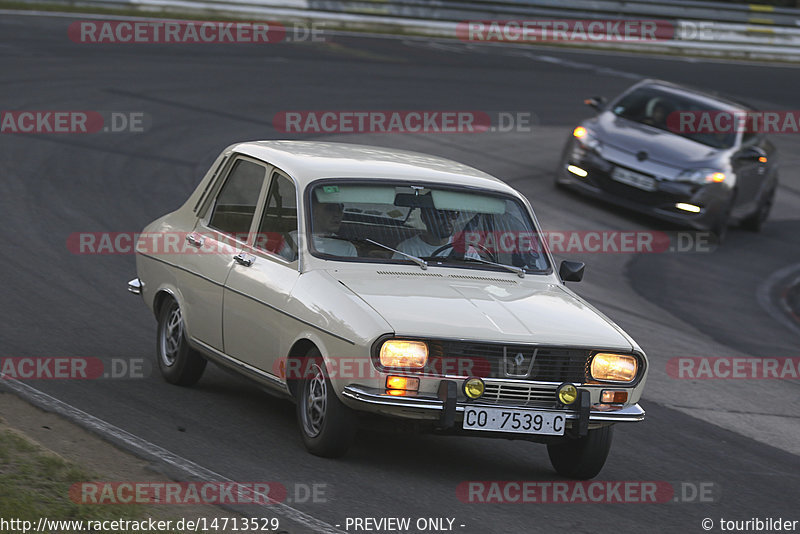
(439, 230)
(658, 115)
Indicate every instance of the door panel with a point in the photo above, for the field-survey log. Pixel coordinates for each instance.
(256, 329)
(217, 238)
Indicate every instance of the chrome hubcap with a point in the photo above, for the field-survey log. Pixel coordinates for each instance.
(315, 400)
(172, 337)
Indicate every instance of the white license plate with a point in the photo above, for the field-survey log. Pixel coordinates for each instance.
(633, 179)
(516, 421)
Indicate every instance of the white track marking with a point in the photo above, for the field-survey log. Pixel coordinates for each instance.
(144, 448)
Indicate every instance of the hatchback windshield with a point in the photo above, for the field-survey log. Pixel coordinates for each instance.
(659, 108)
(383, 222)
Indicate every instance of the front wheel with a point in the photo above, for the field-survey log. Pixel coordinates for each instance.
(755, 222)
(179, 363)
(327, 426)
(720, 227)
(581, 458)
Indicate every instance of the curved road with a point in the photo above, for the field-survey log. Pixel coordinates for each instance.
(741, 437)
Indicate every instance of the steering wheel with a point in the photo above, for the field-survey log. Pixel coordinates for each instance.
(477, 246)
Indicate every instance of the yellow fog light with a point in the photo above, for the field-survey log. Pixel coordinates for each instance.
(579, 132)
(577, 171)
(473, 388)
(614, 367)
(402, 353)
(688, 207)
(567, 393)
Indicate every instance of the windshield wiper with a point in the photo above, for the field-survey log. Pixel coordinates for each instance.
(419, 261)
(516, 270)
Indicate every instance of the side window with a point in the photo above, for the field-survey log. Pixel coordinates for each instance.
(277, 232)
(236, 202)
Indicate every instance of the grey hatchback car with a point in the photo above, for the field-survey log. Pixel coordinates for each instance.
(661, 149)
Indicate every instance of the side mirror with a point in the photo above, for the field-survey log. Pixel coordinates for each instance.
(571, 271)
(752, 153)
(595, 102)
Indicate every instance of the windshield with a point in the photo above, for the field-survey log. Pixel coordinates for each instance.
(655, 107)
(388, 223)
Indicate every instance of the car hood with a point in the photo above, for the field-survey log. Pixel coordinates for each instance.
(472, 307)
(661, 146)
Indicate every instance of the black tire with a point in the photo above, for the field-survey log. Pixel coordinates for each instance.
(720, 228)
(179, 363)
(755, 222)
(327, 426)
(582, 458)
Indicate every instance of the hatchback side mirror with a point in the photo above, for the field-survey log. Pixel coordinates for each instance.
(595, 102)
(752, 153)
(571, 271)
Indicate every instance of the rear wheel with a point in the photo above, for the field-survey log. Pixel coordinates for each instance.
(327, 426)
(581, 458)
(179, 363)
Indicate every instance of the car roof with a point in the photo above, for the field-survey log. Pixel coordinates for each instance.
(307, 161)
(695, 93)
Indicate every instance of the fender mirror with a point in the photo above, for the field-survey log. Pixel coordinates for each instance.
(571, 271)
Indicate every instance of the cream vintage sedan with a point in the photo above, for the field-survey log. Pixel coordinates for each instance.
(367, 282)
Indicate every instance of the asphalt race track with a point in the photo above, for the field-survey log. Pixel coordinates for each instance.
(739, 437)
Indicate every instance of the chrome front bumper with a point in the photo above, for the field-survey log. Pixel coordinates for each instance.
(377, 400)
(135, 286)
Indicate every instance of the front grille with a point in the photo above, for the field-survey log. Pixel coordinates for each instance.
(514, 362)
(515, 394)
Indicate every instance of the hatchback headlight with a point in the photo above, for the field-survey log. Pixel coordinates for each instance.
(702, 176)
(585, 138)
(614, 367)
(404, 353)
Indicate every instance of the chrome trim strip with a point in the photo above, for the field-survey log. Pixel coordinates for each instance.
(632, 413)
(135, 286)
(211, 182)
(214, 353)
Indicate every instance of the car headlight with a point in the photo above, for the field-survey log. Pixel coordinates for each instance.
(702, 176)
(585, 137)
(404, 353)
(614, 367)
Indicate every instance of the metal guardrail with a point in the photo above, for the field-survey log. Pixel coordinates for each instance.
(700, 28)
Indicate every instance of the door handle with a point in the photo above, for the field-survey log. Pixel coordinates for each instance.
(194, 240)
(245, 260)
